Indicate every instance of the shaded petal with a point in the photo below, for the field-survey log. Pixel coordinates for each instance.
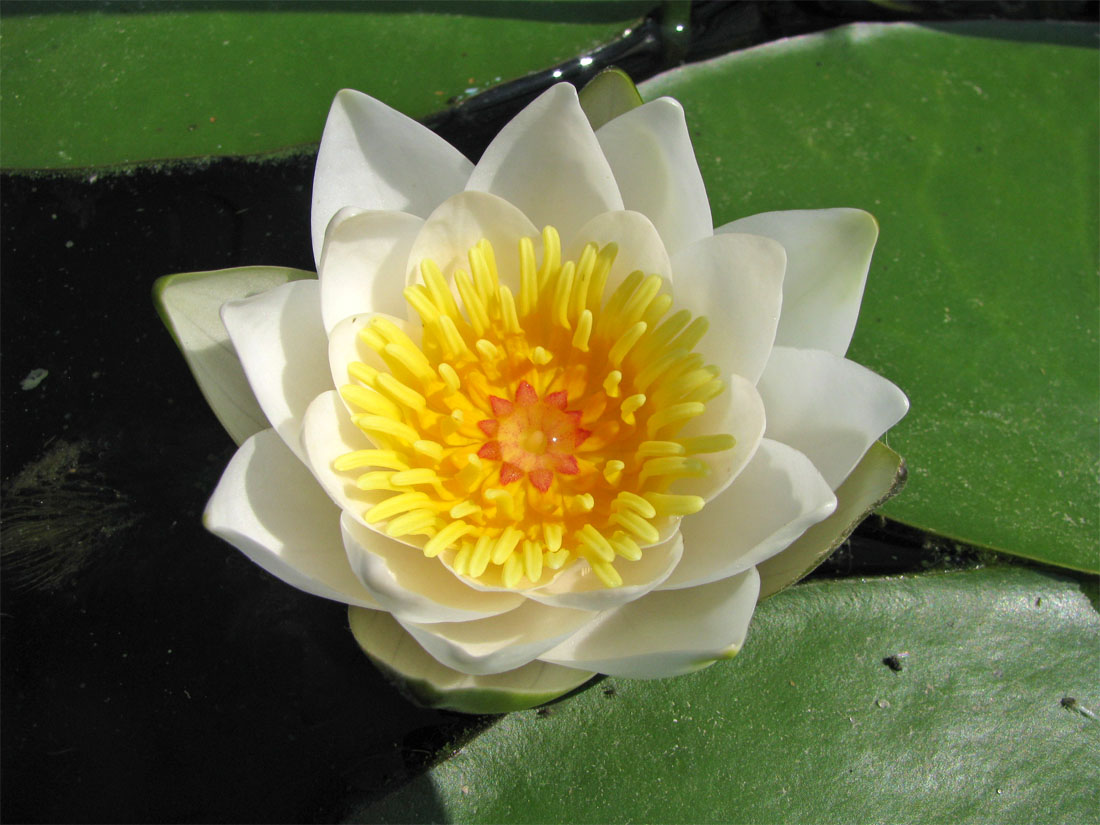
(777, 497)
(437, 686)
(345, 346)
(650, 152)
(737, 282)
(640, 246)
(665, 633)
(738, 411)
(327, 434)
(268, 506)
(548, 162)
(828, 255)
(363, 263)
(499, 643)
(281, 342)
(374, 157)
(413, 587)
(461, 222)
(828, 407)
(580, 588)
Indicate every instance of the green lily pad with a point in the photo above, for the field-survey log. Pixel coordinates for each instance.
(91, 84)
(978, 155)
(189, 304)
(925, 700)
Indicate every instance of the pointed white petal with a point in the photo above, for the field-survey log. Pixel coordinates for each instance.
(434, 685)
(268, 506)
(665, 633)
(829, 408)
(363, 263)
(640, 247)
(650, 152)
(499, 643)
(736, 281)
(413, 587)
(580, 588)
(548, 162)
(738, 411)
(777, 497)
(190, 305)
(281, 342)
(461, 222)
(828, 255)
(374, 157)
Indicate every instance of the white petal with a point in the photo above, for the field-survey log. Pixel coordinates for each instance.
(640, 247)
(828, 407)
(828, 255)
(499, 643)
(190, 305)
(579, 587)
(736, 281)
(268, 506)
(548, 162)
(327, 434)
(413, 587)
(650, 152)
(461, 222)
(878, 476)
(281, 342)
(777, 497)
(345, 345)
(363, 263)
(436, 686)
(374, 157)
(738, 411)
(665, 633)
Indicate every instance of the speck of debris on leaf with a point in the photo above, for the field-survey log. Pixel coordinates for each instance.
(895, 661)
(543, 712)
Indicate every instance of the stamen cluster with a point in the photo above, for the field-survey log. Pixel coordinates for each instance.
(532, 430)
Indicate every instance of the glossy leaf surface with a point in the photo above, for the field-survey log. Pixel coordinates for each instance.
(970, 729)
(976, 149)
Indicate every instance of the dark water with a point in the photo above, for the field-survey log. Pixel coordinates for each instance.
(150, 672)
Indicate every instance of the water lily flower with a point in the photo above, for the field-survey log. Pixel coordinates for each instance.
(536, 418)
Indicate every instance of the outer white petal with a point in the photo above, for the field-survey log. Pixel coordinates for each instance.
(650, 152)
(281, 343)
(778, 496)
(736, 281)
(579, 587)
(548, 162)
(461, 222)
(738, 411)
(499, 643)
(413, 587)
(828, 407)
(828, 255)
(327, 434)
(640, 246)
(665, 633)
(363, 263)
(374, 157)
(268, 506)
